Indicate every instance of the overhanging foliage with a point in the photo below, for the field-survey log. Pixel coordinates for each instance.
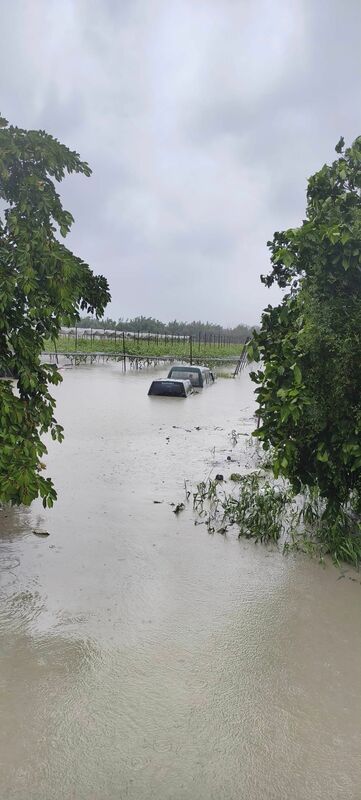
(309, 379)
(42, 286)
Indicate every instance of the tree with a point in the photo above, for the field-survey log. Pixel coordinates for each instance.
(309, 346)
(42, 285)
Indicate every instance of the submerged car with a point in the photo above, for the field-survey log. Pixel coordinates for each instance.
(198, 376)
(171, 388)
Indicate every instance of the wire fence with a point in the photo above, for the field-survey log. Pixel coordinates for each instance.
(94, 336)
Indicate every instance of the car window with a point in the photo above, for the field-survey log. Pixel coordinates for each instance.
(182, 374)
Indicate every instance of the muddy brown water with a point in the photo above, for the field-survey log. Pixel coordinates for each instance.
(143, 658)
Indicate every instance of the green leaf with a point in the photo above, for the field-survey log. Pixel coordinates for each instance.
(340, 145)
(297, 375)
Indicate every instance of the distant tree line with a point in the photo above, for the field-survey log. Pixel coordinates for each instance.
(152, 325)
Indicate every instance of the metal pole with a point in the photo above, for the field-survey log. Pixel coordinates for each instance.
(76, 337)
(190, 350)
(124, 358)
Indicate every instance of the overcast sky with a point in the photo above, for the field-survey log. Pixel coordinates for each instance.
(201, 120)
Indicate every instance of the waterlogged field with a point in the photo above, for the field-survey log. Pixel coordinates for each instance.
(142, 657)
(145, 348)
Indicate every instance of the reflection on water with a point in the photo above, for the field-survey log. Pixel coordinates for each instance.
(142, 658)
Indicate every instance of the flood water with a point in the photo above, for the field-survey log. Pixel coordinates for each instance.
(143, 658)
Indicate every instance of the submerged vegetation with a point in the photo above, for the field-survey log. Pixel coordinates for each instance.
(267, 511)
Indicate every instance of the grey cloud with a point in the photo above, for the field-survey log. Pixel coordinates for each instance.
(201, 122)
(301, 117)
(213, 244)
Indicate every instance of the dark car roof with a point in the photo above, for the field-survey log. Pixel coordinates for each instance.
(190, 367)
